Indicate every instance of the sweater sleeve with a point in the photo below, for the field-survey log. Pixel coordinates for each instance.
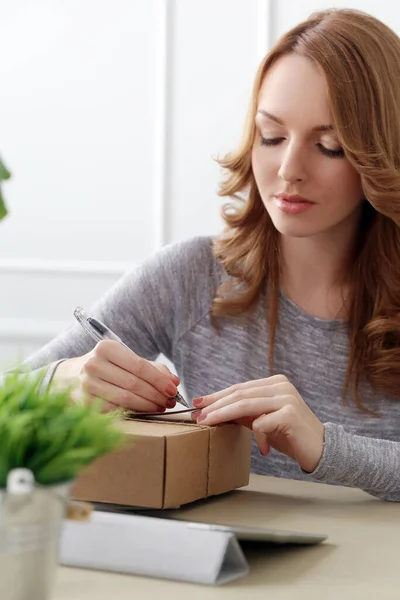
(147, 308)
(370, 464)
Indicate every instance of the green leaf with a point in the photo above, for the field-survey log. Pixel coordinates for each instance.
(4, 172)
(3, 210)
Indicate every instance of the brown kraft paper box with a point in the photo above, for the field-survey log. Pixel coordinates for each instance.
(168, 461)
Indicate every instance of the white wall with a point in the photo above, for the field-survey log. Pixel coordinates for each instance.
(111, 112)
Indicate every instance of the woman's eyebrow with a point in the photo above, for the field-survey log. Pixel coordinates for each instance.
(264, 113)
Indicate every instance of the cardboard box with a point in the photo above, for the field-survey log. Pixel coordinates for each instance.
(168, 462)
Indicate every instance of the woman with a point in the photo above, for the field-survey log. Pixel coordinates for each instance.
(289, 321)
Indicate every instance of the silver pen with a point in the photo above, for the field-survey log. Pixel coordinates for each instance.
(98, 331)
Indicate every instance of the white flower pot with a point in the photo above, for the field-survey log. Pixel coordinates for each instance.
(30, 525)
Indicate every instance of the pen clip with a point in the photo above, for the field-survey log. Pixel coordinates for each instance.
(82, 319)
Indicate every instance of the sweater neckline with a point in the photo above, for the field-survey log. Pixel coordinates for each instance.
(317, 322)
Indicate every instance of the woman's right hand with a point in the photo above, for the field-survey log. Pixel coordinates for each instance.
(119, 377)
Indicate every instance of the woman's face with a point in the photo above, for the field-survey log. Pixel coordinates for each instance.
(306, 184)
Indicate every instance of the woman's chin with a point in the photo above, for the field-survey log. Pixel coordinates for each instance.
(293, 227)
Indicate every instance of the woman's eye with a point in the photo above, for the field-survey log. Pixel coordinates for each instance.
(339, 153)
(336, 153)
(270, 141)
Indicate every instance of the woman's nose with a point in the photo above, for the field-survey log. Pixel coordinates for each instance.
(292, 167)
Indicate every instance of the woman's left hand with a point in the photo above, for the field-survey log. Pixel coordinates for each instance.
(276, 413)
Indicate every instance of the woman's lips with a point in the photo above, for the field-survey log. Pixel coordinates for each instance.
(293, 205)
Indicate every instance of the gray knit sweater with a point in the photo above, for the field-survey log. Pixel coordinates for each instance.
(163, 306)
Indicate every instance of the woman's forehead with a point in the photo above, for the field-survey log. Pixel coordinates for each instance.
(294, 87)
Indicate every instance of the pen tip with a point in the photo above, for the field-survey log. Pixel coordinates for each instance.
(181, 400)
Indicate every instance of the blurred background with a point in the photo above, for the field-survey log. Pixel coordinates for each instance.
(111, 114)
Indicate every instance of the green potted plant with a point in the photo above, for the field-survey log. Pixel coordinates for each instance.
(45, 441)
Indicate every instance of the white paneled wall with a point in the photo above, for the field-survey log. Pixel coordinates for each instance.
(111, 114)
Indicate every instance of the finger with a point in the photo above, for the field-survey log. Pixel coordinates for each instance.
(119, 396)
(110, 373)
(245, 394)
(271, 423)
(241, 396)
(164, 369)
(266, 387)
(82, 397)
(125, 358)
(105, 406)
(262, 442)
(250, 407)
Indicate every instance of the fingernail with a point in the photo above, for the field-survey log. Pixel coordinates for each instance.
(197, 401)
(195, 414)
(171, 390)
(171, 403)
(201, 417)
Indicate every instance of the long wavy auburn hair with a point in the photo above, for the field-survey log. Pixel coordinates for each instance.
(360, 58)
